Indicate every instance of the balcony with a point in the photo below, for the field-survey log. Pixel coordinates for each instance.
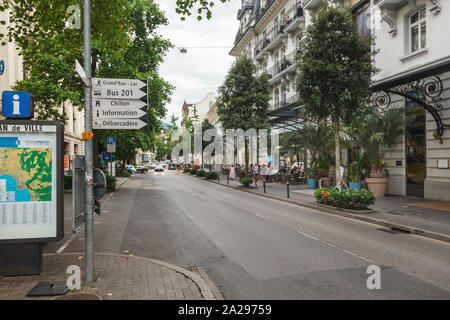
(263, 10)
(287, 65)
(276, 37)
(310, 4)
(294, 19)
(284, 102)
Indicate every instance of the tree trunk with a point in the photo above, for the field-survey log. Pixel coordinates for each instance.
(337, 152)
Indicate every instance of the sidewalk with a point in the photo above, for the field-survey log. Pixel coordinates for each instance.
(414, 215)
(121, 277)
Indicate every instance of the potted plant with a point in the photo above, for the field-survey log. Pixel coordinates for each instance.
(310, 173)
(352, 174)
(324, 162)
(377, 133)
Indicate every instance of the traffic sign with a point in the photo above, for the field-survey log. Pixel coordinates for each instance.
(111, 140)
(79, 69)
(17, 105)
(98, 83)
(106, 157)
(119, 103)
(118, 113)
(2, 67)
(111, 144)
(119, 93)
(125, 124)
(87, 135)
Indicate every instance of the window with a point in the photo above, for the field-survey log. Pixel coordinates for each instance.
(418, 30)
(362, 20)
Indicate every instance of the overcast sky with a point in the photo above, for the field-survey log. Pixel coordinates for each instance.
(200, 70)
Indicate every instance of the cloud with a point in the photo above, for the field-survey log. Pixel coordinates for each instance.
(204, 67)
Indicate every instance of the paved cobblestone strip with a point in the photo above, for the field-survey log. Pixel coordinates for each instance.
(118, 277)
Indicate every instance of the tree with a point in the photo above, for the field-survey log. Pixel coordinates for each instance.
(376, 133)
(206, 125)
(186, 7)
(141, 60)
(335, 70)
(244, 99)
(49, 48)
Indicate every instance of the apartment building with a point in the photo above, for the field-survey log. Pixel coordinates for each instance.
(270, 32)
(13, 70)
(197, 110)
(414, 63)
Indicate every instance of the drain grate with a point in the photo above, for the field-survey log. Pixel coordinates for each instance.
(394, 230)
(388, 231)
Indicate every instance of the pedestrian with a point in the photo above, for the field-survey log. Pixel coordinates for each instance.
(256, 173)
(232, 173)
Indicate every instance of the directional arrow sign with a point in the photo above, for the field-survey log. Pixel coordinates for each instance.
(118, 113)
(121, 124)
(111, 103)
(99, 83)
(122, 93)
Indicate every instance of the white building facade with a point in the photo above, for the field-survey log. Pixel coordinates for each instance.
(414, 63)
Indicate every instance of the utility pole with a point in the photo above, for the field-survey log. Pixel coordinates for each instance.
(89, 164)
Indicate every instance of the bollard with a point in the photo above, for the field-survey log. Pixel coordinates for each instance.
(287, 185)
(228, 179)
(218, 176)
(264, 184)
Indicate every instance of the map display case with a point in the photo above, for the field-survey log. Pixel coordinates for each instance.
(31, 181)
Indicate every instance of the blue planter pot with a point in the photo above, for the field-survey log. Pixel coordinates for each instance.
(355, 185)
(311, 183)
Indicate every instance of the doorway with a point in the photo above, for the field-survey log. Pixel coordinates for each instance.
(415, 147)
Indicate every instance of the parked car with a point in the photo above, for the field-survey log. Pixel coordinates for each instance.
(131, 169)
(172, 166)
(159, 168)
(141, 169)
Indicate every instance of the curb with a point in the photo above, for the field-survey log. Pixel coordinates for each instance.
(346, 214)
(205, 290)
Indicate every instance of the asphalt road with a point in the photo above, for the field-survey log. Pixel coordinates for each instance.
(257, 248)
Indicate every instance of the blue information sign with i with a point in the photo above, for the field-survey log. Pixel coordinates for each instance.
(17, 105)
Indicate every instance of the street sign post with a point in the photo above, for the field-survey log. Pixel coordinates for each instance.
(119, 124)
(111, 144)
(118, 113)
(119, 104)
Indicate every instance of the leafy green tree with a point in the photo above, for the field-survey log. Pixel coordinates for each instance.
(49, 48)
(243, 100)
(335, 70)
(141, 60)
(186, 7)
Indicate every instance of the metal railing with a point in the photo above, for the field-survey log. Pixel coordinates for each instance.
(295, 11)
(284, 63)
(284, 102)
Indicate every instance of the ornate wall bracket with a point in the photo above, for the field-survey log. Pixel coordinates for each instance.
(389, 16)
(425, 92)
(436, 7)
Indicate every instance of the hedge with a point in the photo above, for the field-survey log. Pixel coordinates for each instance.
(347, 198)
(211, 175)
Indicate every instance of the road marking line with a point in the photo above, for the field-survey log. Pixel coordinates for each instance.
(335, 247)
(260, 216)
(64, 246)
